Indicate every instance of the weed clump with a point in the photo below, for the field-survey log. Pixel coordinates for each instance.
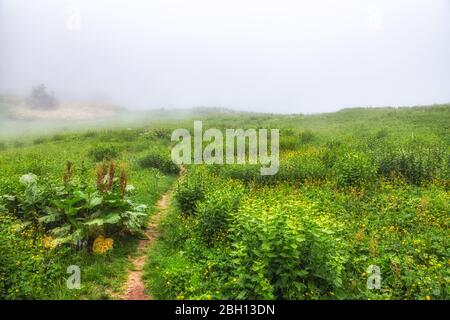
(103, 152)
(191, 189)
(157, 161)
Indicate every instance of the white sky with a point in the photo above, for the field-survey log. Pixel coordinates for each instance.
(259, 55)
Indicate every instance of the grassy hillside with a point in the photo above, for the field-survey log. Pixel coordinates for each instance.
(356, 188)
(358, 191)
(32, 270)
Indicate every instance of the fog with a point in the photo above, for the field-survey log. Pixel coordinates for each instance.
(285, 56)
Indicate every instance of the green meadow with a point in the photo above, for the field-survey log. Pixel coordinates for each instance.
(359, 208)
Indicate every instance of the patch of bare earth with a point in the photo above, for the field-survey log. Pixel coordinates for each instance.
(68, 111)
(134, 287)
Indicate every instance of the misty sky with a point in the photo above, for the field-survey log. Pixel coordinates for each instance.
(258, 55)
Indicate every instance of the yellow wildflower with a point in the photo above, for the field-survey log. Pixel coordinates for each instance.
(102, 245)
(180, 296)
(49, 242)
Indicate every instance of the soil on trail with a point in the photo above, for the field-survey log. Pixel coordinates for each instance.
(134, 288)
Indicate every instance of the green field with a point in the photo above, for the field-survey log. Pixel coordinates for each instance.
(356, 188)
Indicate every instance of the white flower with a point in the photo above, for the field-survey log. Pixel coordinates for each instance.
(129, 188)
(28, 179)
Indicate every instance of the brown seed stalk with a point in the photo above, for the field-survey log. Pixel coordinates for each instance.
(111, 173)
(69, 172)
(123, 179)
(101, 172)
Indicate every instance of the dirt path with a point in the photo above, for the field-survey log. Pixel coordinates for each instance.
(134, 287)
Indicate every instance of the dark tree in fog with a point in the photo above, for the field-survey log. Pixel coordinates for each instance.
(40, 98)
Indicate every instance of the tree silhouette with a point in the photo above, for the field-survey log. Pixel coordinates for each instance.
(41, 99)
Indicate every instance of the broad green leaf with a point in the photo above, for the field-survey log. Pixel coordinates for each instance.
(95, 201)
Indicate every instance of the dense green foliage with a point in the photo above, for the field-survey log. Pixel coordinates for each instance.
(52, 211)
(75, 211)
(103, 152)
(158, 161)
(27, 268)
(353, 194)
(356, 188)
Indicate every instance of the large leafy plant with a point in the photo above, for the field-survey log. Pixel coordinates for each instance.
(280, 252)
(78, 211)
